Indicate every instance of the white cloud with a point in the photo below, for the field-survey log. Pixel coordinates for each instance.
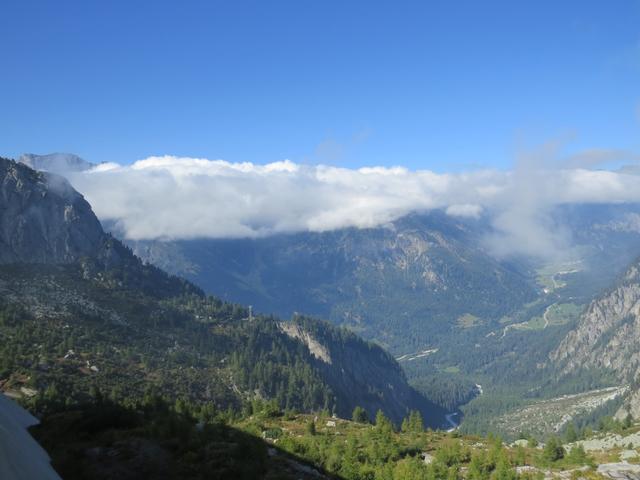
(464, 210)
(170, 197)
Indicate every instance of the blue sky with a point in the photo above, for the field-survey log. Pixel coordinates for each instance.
(446, 85)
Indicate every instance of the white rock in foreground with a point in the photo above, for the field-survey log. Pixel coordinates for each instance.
(620, 471)
(21, 457)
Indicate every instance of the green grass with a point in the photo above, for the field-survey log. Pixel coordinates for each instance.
(468, 321)
(545, 275)
(563, 313)
(557, 314)
(536, 323)
(451, 369)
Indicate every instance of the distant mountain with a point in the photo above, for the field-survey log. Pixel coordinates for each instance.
(402, 284)
(104, 320)
(60, 163)
(606, 239)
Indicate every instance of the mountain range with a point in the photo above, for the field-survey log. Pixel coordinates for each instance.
(96, 332)
(462, 323)
(107, 321)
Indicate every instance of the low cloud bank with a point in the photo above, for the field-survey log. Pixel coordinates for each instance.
(179, 198)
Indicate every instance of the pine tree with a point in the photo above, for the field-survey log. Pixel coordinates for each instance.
(577, 455)
(413, 423)
(553, 450)
(571, 435)
(520, 456)
(311, 428)
(360, 415)
(503, 470)
(416, 425)
(410, 469)
(383, 424)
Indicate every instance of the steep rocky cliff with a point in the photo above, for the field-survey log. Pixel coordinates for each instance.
(608, 334)
(43, 219)
(608, 337)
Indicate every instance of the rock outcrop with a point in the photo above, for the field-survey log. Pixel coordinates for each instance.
(316, 349)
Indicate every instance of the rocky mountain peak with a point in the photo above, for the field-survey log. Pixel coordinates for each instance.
(43, 219)
(60, 163)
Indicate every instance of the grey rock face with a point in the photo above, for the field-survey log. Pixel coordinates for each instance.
(631, 407)
(43, 219)
(608, 337)
(621, 471)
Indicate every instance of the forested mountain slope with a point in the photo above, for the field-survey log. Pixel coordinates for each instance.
(406, 283)
(401, 284)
